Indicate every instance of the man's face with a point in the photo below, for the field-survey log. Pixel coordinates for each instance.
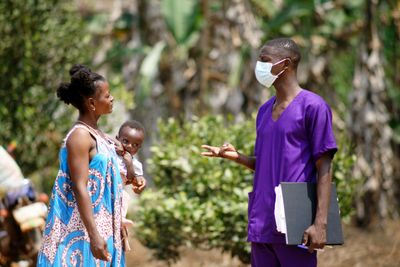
(271, 55)
(131, 139)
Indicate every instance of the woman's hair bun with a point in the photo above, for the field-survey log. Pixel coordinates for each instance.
(82, 80)
(64, 93)
(77, 68)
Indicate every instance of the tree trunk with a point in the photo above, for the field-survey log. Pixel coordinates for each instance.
(370, 130)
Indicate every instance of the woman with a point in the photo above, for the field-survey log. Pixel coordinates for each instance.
(83, 226)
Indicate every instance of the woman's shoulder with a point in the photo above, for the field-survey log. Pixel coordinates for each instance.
(78, 136)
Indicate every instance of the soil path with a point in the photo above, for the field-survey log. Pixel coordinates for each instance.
(363, 248)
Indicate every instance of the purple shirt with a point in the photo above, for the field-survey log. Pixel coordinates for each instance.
(286, 150)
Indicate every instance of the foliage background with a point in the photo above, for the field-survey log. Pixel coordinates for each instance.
(193, 61)
(35, 38)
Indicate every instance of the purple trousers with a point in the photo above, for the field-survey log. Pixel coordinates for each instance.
(281, 255)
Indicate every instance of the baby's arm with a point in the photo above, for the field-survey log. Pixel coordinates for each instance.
(130, 172)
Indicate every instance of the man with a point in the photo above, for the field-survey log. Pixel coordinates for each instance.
(294, 143)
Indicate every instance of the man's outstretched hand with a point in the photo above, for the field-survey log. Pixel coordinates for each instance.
(226, 151)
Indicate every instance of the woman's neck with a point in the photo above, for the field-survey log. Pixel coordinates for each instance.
(89, 120)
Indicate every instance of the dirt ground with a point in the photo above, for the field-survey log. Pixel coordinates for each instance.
(362, 248)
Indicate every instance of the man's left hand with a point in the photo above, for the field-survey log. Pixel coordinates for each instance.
(315, 237)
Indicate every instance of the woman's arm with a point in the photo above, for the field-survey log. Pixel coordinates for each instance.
(228, 151)
(79, 146)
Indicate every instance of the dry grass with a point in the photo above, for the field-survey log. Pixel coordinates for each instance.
(363, 248)
(366, 248)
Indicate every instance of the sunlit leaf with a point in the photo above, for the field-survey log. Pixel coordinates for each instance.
(180, 16)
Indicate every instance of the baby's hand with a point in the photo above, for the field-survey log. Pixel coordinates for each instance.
(139, 184)
(127, 157)
(119, 148)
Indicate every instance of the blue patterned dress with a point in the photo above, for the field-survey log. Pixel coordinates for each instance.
(66, 241)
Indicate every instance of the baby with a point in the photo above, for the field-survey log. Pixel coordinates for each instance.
(130, 136)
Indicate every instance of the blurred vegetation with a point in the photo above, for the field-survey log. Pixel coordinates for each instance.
(346, 184)
(201, 201)
(40, 40)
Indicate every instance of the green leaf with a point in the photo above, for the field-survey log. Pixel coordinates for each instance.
(149, 70)
(180, 16)
(149, 66)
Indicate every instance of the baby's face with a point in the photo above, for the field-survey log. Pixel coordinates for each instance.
(131, 139)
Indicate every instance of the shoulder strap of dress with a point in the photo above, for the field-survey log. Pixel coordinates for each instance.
(81, 126)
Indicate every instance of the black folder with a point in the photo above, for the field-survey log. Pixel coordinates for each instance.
(299, 200)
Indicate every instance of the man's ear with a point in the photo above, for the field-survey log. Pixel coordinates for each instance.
(287, 62)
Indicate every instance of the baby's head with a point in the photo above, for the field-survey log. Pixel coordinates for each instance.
(131, 135)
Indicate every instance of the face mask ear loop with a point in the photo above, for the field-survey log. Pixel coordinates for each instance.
(281, 72)
(280, 61)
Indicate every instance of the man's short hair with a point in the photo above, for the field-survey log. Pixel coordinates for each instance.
(286, 48)
(133, 125)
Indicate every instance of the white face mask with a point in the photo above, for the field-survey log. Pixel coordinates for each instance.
(263, 73)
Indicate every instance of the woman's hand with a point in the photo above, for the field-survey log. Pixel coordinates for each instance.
(98, 246)
(226, 151)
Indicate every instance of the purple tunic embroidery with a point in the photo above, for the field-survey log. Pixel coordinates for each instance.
(286, 150)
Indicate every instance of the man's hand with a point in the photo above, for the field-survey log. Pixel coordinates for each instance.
(98, 246)
(139, 184)
(315, 237)
(226, 151)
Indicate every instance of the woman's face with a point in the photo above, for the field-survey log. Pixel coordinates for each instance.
(103, 100)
